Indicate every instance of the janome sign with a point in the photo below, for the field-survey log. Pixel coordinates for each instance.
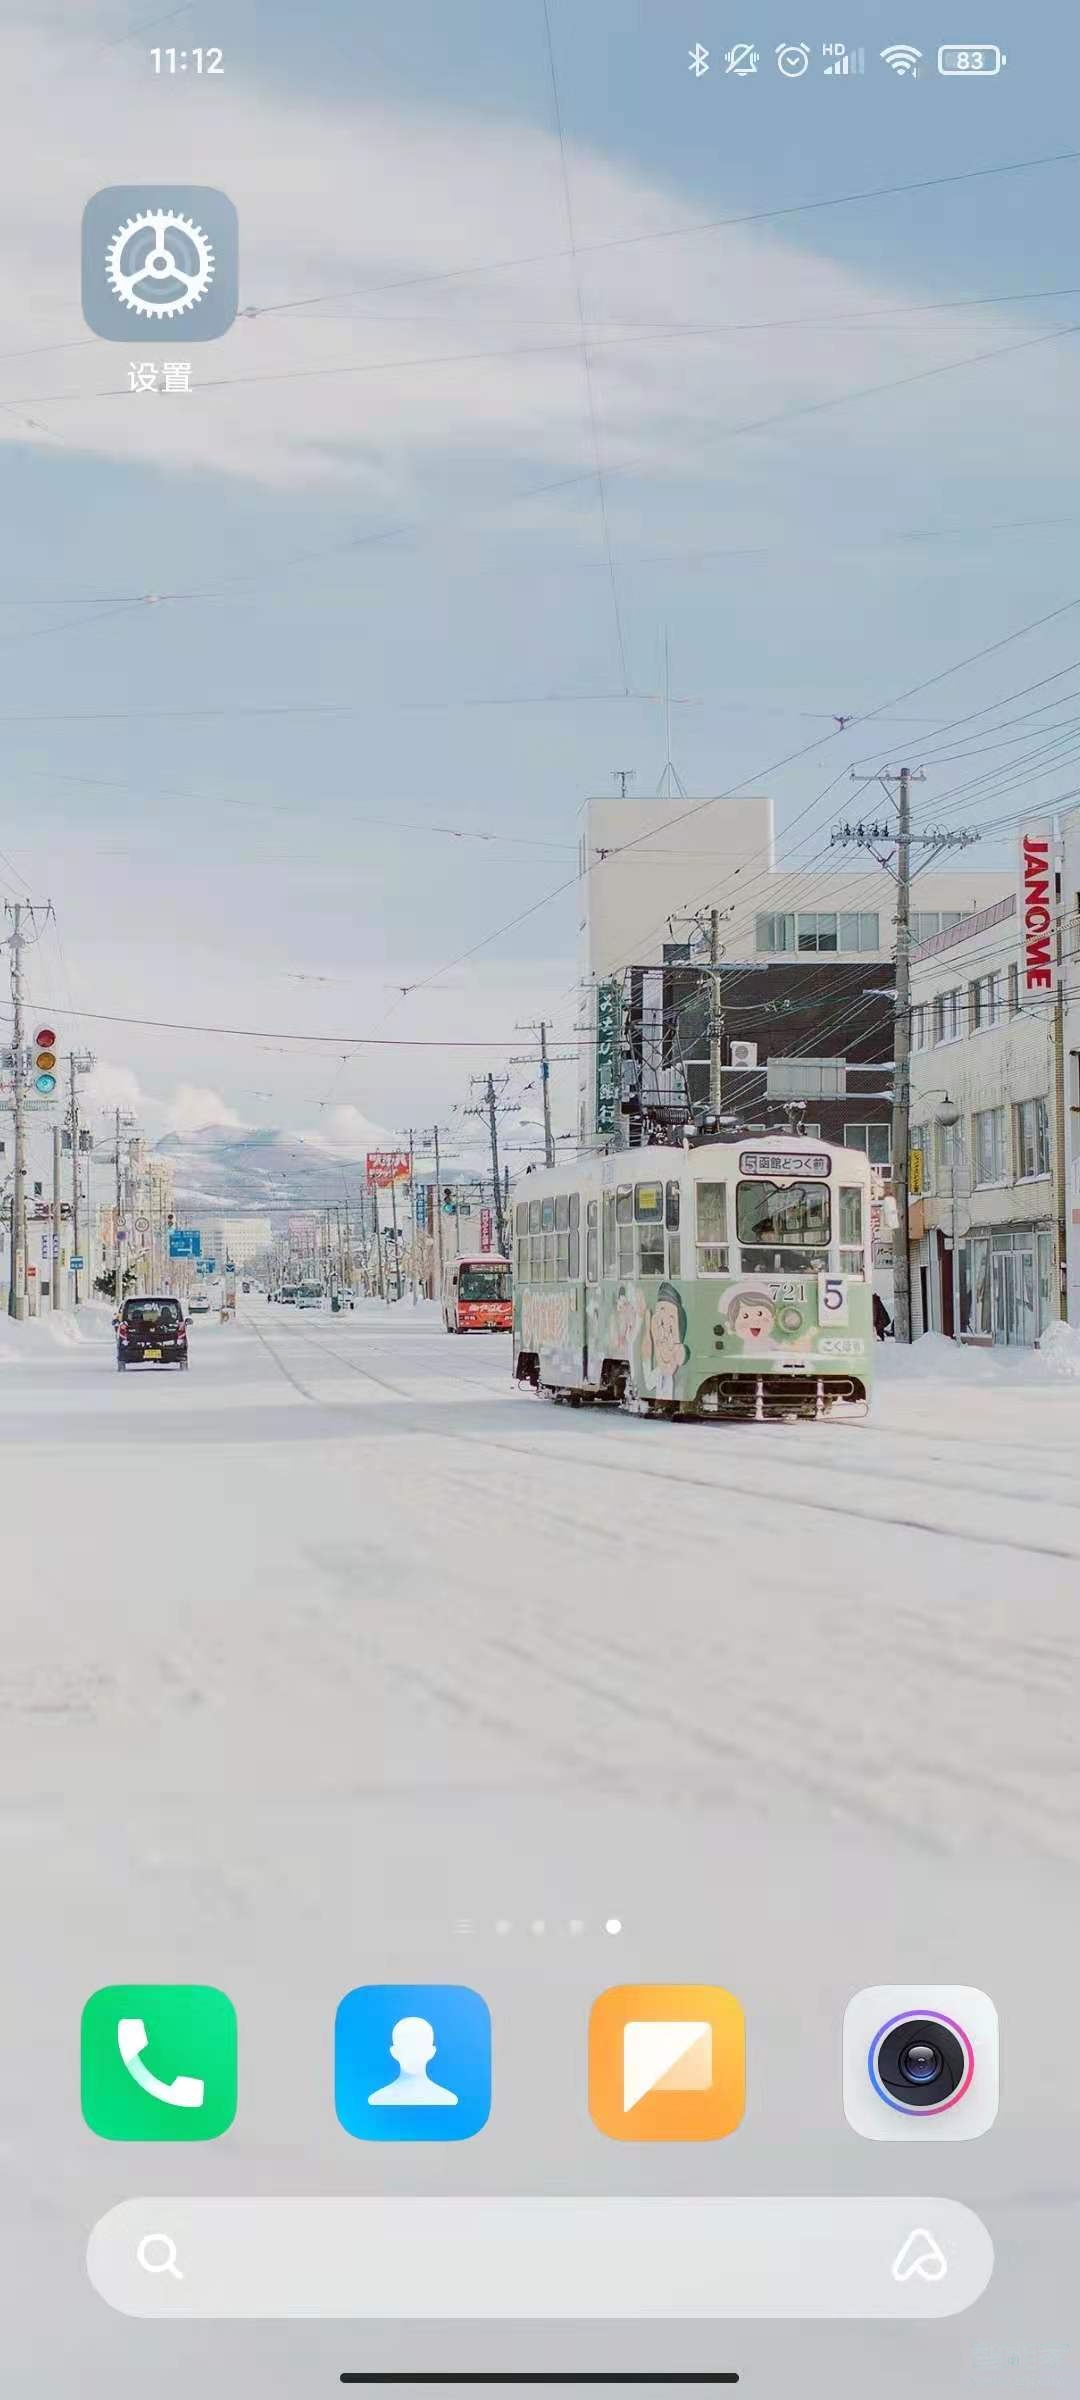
(1035, 907)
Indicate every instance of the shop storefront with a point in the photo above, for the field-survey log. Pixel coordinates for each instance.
(1008, 1285)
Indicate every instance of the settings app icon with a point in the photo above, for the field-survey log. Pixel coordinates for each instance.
(156, 258)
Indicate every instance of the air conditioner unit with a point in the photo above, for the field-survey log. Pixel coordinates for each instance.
(744, 1054)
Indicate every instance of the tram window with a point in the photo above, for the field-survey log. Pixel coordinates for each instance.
(852, 1249)
(651, 1249)
(547, 1215)
(592, 1213)
(592, 1252)
(521, 1216)
(536, 1256)
(674, 1254)
(575, 1256)
(712, 1254)
(624, 1204)
(783, 1227)
(549, 1257)
(673, 1206)
(562, 1213)
(522, 1257)
(610, 1253)
(649, 1203)
(626, 1252)
(534, 1216)
(562, 1257)
(575, 1211)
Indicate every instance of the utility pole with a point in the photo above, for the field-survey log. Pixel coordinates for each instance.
(79, 1063)
(493, 1128)
(397, 1245)
(17, 1282)
(438, 1212)
(900, 840)
(716, 1020)
(57, 1215)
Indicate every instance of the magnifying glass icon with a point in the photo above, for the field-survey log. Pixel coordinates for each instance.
(156, 2255)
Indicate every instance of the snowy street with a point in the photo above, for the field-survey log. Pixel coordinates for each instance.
(366, 1546)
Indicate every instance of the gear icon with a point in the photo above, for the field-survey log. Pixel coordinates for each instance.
(160, 263)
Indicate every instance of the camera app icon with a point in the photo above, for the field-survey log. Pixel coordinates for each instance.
(920, 2062)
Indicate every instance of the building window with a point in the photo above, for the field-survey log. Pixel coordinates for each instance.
(926, 922)
(991, 1162)
(986, 1003)
(947, 1017)
(818, 929)
(1032, 1138)
(918, 1026)
(875, 1142)
(1014, 990)
(947, 1146)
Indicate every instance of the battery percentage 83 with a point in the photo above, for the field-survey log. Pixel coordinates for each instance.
(970, 58)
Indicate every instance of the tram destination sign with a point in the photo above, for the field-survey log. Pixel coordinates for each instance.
(784, 1162)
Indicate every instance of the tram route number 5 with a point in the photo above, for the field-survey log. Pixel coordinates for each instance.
(832, 1300)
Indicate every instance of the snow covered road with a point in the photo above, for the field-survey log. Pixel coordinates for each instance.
(356, 1525)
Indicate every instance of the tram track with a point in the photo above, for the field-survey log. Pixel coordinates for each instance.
(767, 1494)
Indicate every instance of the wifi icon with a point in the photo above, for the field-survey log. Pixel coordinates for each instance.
(902, 58)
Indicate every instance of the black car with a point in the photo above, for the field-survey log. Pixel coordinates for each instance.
(151, 1333)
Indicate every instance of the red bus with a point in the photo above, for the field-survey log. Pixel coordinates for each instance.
(476, 1295)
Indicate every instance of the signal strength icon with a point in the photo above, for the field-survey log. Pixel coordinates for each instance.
(843, 61)
(902, 58)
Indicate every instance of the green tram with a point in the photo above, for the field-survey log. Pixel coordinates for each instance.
(731, 1279)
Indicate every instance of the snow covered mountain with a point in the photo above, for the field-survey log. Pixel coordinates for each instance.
(257, 1170)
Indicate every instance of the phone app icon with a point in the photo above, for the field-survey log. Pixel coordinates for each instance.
(159, 2062)
(160, 263)
(667, 2062)
(412, 2062)
(920, 2062)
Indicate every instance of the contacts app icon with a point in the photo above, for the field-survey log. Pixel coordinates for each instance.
(412, 2062)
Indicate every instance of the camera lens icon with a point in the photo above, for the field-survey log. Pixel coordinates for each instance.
(920, 2062)
(793, 58)
(923, 2063)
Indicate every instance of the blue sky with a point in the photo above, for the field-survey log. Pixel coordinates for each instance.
(374, 527)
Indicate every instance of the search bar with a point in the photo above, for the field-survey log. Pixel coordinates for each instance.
(529, 2258)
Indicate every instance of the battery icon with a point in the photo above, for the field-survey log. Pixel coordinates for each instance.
(970, 58)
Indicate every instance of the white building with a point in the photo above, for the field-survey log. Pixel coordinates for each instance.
(246, 1240)
(986, 1212)
(647, 866)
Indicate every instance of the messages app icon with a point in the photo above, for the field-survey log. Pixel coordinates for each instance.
(667, 2062)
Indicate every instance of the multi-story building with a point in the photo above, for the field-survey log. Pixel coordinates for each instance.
(987, 1180)
(1070, 1058)
(247, 1241)
(649, 867)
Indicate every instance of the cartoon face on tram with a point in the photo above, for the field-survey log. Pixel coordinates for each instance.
(728, 1280)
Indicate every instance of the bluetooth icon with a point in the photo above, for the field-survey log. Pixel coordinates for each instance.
(699, 60)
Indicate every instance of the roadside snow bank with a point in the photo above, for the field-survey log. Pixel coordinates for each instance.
(1059, 1351)
(36, 1337)
(934, 1358)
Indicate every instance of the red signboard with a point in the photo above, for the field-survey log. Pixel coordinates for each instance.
(1036, 908)
(385, 1167)
(485, 1229)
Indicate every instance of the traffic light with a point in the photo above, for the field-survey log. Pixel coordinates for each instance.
(45, 1059)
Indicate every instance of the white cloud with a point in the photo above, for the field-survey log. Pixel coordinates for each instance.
(110, 1086)
(193, 1106)
(344, 1132)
